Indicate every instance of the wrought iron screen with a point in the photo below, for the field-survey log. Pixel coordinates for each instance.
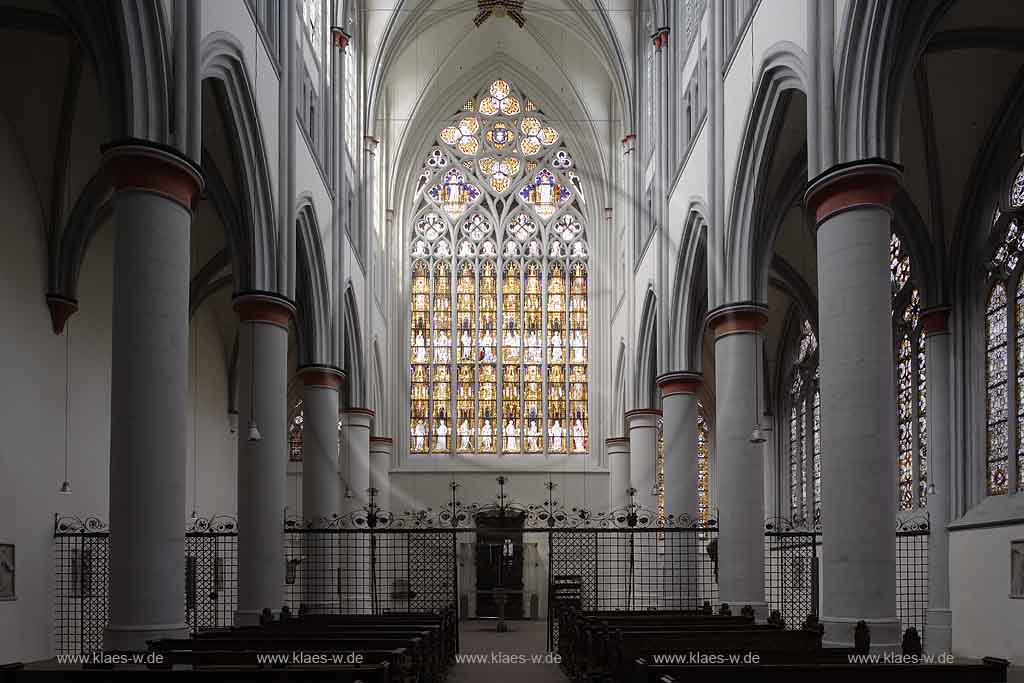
(912, 573)
(366, 571)
(81, 587)
(615, 569)
(791, 566)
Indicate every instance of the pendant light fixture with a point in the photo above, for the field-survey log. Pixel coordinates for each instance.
(757, 436)
(195, 422)
(65, 486)
(254, 430)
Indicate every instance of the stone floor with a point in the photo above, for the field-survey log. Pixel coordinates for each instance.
(525, 641)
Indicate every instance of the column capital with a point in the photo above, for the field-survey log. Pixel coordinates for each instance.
(935, 320)
(264, 307)
(382, 440)
(341, 37)
(660, 38)
(643, 418)
(135, 164)
(679, 382)
(324, 376)
(865, 182)
(358, 417)
(748, 317)
(61, 308)
(628, 143)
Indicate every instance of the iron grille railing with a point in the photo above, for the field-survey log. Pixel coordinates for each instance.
(631, 569)
(365, 571)
(793, 564)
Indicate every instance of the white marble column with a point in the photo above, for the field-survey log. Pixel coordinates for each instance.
(321, 498)
(380, 467)
(850, 207)
(618, 471)
(682, 555)
(153, 191)
(939, 629)
(643, 455)
(263, 461)
(355, 479)
(739, 464)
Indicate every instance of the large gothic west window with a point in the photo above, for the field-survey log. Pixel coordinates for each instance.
(499, 337)
(1004, 347)
(911, 381)
(805, 430)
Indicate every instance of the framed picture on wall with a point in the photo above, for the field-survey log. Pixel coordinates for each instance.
(1017, 569)
(7, 571)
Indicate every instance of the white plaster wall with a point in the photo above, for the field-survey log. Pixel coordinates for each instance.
(32, 361)
(986, 622)
(212, 479)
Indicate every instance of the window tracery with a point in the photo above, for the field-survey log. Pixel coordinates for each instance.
(1004, 346)
(499, 310)
(911, 380)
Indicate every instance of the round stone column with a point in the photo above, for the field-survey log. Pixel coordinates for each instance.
(262, 451)
(939, 629)
(643, 455)
(679, 406)
(320, 495)
(613, 562)
(380, 467)
(618, 471)
(355, 455)
(682, 554)
(154, 189)
(645, 582)
(739, 464)
(850, 206)
(355, 479)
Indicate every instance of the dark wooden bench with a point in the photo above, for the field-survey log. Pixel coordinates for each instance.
(990, 670)
(408, 659)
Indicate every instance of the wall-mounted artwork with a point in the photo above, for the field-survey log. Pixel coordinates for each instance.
(6, 571)
(1017, 569)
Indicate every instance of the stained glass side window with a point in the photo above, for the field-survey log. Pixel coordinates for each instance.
(1020, 383)
(510, 374)
(659, 468)
(703, 467)
(911, 380)
(905, 425)
(996, 452)
(804, 429)
(295, 433)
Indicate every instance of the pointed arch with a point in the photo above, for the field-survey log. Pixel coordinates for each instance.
(313, 298)
(784, 69)
(223, 62)
(355, 358)
(689, 294)
(645, 387)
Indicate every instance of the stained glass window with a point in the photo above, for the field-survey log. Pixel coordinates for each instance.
(499, 286)
(295, 426)
(911, 381)
(997, 451)
(805, 429)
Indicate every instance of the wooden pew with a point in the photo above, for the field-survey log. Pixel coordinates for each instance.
(990, 670)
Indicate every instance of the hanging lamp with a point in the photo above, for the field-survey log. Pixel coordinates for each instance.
(254, 430)
(757, 436)
(65, 486)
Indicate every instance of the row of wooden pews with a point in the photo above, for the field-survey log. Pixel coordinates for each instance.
(403, 647)
(672, 647)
